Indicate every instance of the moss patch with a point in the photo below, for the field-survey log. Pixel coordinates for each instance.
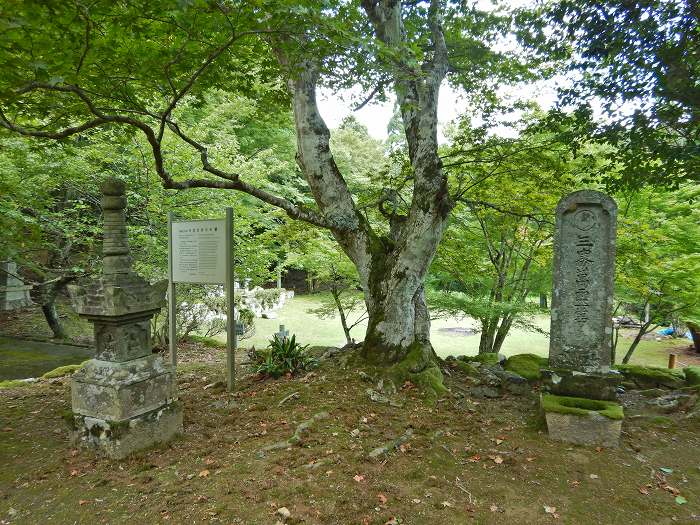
(489, 358)
(579, 406)
(13, 383)
(63, 371)
(692, 375)
(652, 376)
(466, 368)
(415, 368)
(526, 365)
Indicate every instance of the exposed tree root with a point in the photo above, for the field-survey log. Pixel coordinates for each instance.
(392, 445)
(296, 438)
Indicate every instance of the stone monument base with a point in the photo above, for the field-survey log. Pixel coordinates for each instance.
(589, 385)
(582, 421)
(118, 439)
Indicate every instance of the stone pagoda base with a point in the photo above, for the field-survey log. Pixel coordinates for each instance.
(120, 408)
(582, 421)
(118, 439)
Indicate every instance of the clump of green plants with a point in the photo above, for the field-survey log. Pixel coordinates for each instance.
(284, 356)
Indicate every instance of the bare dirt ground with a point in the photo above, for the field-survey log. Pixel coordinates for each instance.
(468, 461)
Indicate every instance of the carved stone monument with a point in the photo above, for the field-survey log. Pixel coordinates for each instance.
(125, 398)
(581, 325)
(584, 272)
(14, 294)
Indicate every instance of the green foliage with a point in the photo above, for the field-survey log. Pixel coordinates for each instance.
(639, 61)
(579, 406)
(526, 365)
(284, 356)
(267, 298)
(658, 256)
(497, 249)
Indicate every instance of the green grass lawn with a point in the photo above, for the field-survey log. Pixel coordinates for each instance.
(309, 329)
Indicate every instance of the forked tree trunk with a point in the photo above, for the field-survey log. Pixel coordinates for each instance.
(391, 267)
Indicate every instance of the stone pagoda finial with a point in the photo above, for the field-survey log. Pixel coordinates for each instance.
(115, 246)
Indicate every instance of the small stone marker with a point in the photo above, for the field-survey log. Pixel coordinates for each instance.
(125, 398)
(581, 324)
(584, 272)
(282, 334)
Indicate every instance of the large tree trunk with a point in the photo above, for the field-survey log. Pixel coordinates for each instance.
(391, 267)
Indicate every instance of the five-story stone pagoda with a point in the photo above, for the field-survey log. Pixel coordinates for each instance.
(125, 398)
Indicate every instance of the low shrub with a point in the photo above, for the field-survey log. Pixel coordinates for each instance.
(284, 356)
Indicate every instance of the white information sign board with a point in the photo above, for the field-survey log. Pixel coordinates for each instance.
(199, 251)
(202, 252)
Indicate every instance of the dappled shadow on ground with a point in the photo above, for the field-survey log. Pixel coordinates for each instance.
(467, 460)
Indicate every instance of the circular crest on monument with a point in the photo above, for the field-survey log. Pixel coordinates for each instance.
(584, 220)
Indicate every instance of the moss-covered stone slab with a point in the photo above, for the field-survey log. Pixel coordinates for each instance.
(582, 421)
(652, 376)
(526, 365)
(601, 386)
(692, 375)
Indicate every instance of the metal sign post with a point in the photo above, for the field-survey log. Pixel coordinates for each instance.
(231, 339)
(172, 308)
(201, 251)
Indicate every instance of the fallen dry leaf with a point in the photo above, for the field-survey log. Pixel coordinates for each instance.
(644, 490)
(204, 473)
(83, 501)
(359, 478)
(382, 498)
(446, 504)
